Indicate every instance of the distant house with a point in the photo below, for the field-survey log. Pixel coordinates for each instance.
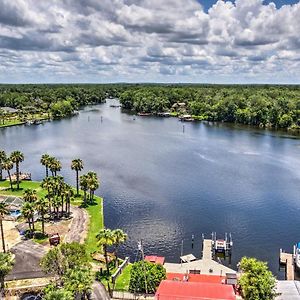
(9, 110)
(155, 259)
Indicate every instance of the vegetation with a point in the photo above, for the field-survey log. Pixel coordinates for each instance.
(6, 265)
(267, 106)
(145, 277)
(70, 263)
(256, 282)
(77, 165)
(3, 212)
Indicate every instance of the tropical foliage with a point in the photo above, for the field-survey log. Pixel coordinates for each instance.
(256, 282)
(6, 265)
(145, 277)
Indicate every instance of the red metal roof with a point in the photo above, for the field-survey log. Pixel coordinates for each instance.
(197, 278)
(155, 259)
(171, 290)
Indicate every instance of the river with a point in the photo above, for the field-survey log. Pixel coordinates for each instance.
(163, 183)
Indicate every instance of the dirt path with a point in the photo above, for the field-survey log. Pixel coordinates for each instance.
(78, 227)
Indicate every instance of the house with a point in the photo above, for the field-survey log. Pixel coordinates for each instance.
(155, 259)
(177, 290)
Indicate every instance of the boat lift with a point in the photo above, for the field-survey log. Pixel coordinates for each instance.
(223, 246)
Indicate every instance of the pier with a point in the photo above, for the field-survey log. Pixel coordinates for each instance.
(207, 250)
(287, 259)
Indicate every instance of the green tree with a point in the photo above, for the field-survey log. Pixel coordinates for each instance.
(2, 159)
(17, 157)
(119, 238)
(145, 277)
(256, 281)
(3, 212)
(93, 184)
(105, 239)
(7, 165)
(52, 292)
(84, 185)
(64, 257)
(28, 210)
(77, 165)
(30, 195)
(42, 207)
(6, 265)
(79, 282)
(45, 161)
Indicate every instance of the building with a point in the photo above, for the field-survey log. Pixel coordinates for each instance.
(155, 259)
(180, 290)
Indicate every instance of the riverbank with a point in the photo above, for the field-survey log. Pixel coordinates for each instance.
(95, 210)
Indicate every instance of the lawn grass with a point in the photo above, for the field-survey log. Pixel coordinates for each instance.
(95, 210)
(122, 282)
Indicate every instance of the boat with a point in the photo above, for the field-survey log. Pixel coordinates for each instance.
(115, 105)
(297, 255)
(144, 114)
(186, 118)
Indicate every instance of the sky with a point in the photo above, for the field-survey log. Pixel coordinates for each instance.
(197, 41)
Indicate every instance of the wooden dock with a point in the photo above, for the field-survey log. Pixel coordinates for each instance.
(206, 249)
(287, 260)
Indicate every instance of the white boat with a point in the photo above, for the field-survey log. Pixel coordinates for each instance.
(297, 255)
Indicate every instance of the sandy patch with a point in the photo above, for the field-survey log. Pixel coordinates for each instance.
(11, 234)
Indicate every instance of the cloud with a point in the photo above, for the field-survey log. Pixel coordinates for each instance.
(149, 40)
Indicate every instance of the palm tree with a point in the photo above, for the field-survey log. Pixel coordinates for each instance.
(58, 294)
(42, 207)
(54, 166)
(77, 165)
(119, 238)
(30, 195)
(93, 184)
(68, 195)
(3, 212)
(17, 157)
(84, 186)
(2, 159)
(105, 239)
(45, 160)
(28, 213)
(6, 264)
(8, 165)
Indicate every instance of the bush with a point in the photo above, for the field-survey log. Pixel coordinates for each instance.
(145, 277)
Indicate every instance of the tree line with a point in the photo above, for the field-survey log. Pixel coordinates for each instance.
(258, 105)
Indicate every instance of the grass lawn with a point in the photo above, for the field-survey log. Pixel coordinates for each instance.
(95, 210)
(122, 282)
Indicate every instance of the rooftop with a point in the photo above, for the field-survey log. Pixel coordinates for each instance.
(155, 259)
(170, 290)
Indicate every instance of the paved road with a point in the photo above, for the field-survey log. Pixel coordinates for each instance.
(99, 292)
(27, 258)
(78, 228)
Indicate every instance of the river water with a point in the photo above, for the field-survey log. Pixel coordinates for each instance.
(163, 183)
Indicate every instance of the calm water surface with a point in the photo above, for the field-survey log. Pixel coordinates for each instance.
(163, 185)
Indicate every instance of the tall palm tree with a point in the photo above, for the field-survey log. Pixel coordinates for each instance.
(45, 160)
(56, 166)
(6, 264)
(2, 159)
(28, 213)
(30, 195)
(8, 165)
(77, 165)
(68, 195)
(3, 212)
(42, 207)
(84, 185)
(119, 238)
(17, 157)
(93, 184)
(105, 239)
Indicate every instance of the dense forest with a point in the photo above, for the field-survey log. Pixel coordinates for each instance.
(265, 106)
(258, 105)
(59, 100)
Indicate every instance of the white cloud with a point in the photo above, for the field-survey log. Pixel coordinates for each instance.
(149, 40)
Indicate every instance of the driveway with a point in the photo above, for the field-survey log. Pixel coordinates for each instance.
(99, 292)
(27, 258)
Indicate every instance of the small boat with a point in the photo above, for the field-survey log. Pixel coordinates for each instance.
(144, 114)
(297, 255)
